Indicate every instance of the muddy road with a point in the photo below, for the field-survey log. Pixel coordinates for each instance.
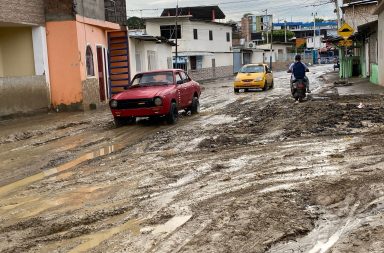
(253, 172)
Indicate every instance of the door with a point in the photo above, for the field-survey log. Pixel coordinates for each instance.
(181, 91)
(118, 61)
(187, 89)
(100, 67)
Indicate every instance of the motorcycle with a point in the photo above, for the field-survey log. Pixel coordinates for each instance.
(298, 88)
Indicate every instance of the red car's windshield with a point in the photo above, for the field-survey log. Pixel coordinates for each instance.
(156, 78)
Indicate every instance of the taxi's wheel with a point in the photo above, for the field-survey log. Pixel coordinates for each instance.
(236, 90)
(272, 85)
(265, 85)
(173, 114)
(195, 108)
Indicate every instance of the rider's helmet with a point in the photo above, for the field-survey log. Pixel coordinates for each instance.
(298, 57)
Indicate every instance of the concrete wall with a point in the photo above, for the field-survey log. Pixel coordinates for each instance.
(23, 95)
(359, 15)
(211, 73)
(59, 10)
(91, 9)
(22, 12)
(381, 48)
(16, 52)
(91, 97)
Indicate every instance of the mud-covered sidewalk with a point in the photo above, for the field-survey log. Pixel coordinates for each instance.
(254, 172)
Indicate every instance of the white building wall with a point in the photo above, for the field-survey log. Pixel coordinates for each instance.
(315, 42)
(187, 43)
(139, 52)
(257, 57)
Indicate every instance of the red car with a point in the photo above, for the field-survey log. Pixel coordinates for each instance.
(154, 94)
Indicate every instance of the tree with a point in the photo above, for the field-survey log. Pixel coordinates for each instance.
(319, 20)
(279, 35)
(135, 23)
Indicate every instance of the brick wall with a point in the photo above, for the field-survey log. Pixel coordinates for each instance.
(116, 13)
(22, 11)
(59, 10)
(211, 73)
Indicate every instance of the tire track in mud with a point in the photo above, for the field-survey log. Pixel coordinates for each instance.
(236, 196)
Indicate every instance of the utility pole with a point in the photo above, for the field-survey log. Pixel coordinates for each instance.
(314, 29)
(285, 31)
(176, 33)
(266, 25)
(337, 10)
(270, 56)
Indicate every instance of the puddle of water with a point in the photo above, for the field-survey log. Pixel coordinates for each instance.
(96, 239)
(29, 180)
(171, 225)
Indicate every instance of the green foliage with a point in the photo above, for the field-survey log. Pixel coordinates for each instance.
(135, 23)
(279, 35)
(318, 20)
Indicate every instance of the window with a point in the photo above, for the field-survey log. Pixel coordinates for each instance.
(195, 34)
(210, 35)
(228, 37)
(169, 31)
(89, 61)
(152, 60)
(138, 61)
(178, 78)
(185, 77)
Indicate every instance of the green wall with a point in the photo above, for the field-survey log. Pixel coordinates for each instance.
(374, 74)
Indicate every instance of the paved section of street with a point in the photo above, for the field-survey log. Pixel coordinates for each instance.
(253, 172)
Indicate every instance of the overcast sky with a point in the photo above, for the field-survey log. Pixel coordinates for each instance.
(291, 10)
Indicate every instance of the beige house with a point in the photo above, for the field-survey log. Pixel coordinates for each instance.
(24, 75)
(380, 37)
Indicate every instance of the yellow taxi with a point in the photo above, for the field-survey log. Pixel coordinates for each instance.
(254, 76)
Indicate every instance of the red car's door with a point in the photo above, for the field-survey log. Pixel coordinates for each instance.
(189, 89)
(181, 90)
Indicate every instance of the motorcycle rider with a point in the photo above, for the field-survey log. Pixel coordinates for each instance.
(298, 70)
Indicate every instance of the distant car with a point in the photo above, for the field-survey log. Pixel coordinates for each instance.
(253, 76)
(156, 93)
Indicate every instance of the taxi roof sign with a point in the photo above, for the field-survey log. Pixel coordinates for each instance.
(345, 31)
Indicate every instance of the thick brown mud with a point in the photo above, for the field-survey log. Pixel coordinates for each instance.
(254, 172)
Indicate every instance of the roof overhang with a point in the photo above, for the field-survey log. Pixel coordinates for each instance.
(368, 28)
(98, 23)
(155, 39)
(380, 8)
